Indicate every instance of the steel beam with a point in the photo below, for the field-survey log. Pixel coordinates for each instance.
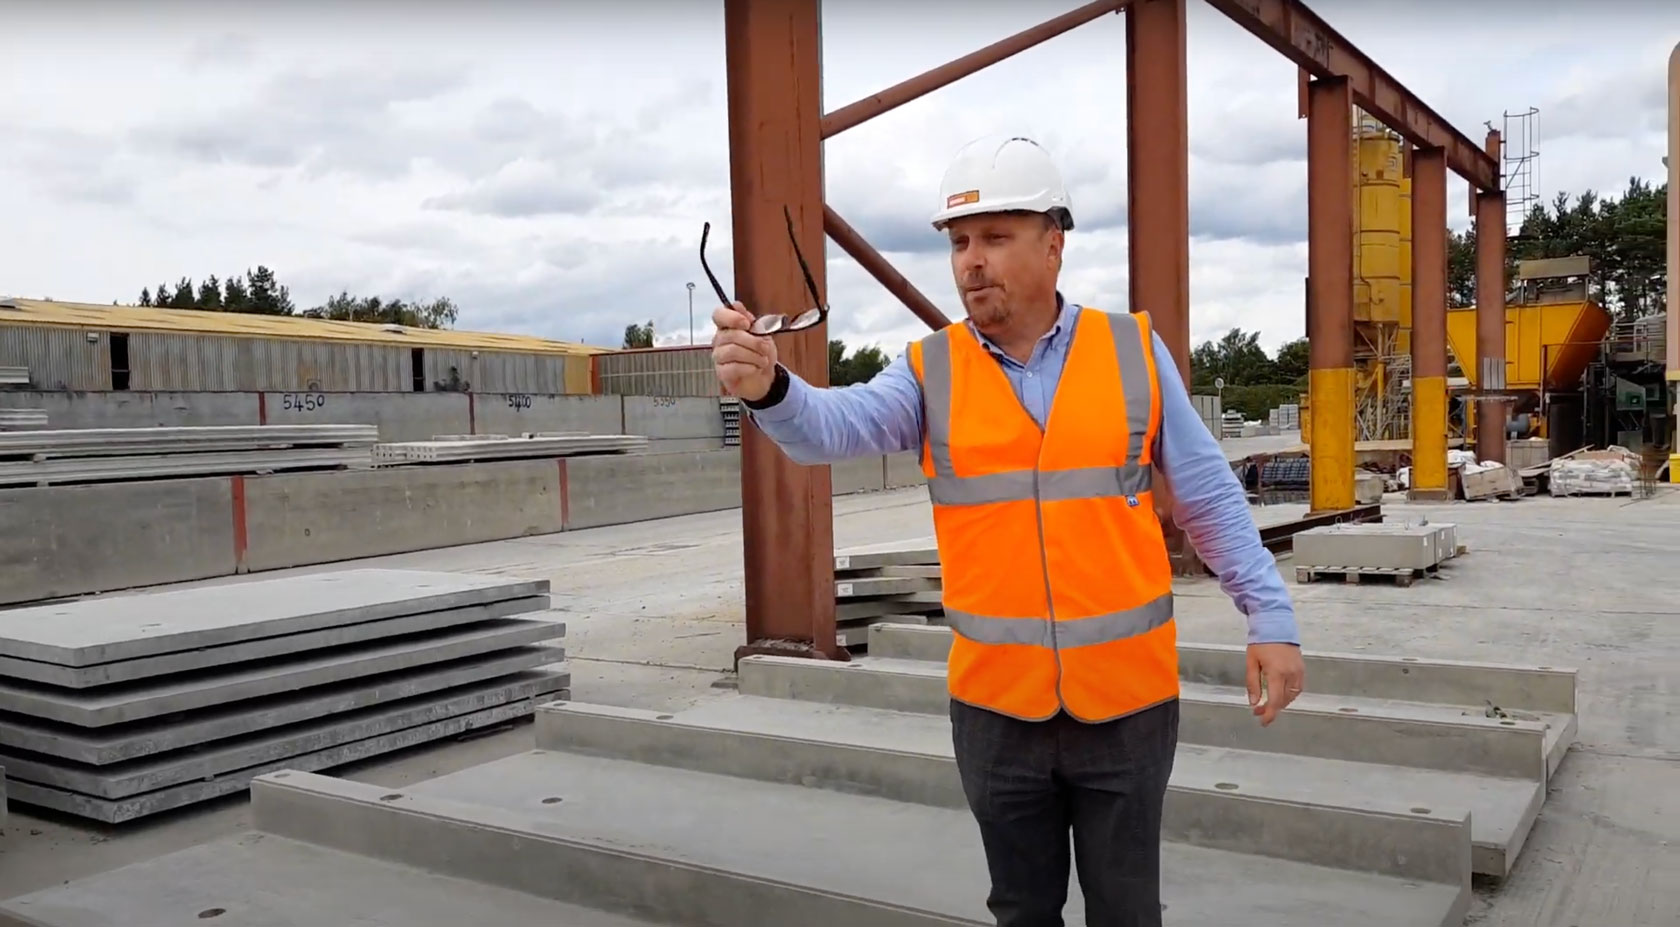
(1490, 326)
(1330, 229)
(1429, 324)
(1158, 203)
(884, 273)
(921, 85)
(1304, 38)
(774, 68)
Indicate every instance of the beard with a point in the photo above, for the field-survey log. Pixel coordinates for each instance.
(988, 308)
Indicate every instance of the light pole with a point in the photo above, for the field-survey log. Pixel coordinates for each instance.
(691, 312)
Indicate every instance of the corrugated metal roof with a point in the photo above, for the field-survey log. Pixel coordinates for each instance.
(184, 321)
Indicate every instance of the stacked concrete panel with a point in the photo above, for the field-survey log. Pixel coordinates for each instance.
(825, 793)
(894, 582)
(41, 458)
(117, 708)
(458, 449)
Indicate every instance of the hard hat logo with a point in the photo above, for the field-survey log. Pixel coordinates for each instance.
(1017, 175)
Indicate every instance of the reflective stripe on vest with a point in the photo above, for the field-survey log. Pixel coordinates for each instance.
(1056, 583)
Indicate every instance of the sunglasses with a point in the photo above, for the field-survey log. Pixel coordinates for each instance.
(775, 324)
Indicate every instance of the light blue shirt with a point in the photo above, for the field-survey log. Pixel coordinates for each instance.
(884, 416)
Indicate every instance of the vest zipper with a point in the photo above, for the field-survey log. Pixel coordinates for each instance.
(1049, 597)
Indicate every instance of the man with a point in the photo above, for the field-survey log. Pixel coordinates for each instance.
(1038, 422)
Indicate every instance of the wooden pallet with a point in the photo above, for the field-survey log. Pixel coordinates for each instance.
(1400, 576)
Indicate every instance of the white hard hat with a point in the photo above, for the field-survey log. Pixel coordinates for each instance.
(1002, 173)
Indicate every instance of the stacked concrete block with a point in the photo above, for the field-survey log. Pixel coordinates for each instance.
(117, 708)
(826, 793)
(1403, 551)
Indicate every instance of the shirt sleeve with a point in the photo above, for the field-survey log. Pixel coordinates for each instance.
(1210, 505)
(822, 425)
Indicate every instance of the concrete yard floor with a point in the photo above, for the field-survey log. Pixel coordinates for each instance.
(653, 616)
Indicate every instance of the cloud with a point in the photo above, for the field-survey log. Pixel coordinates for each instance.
(549, 166)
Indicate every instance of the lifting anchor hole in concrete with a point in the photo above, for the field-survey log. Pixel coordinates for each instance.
(553, 800)
(208, 913)
(391, 797)
(1225, 786)
(1509, 723)
(664, 717)
(1408, 659)
(281, 775)
(1348, 711)
(1420, 810)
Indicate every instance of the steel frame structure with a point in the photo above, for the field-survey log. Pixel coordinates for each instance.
(776, 133)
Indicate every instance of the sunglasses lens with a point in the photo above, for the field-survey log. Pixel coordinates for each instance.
(806, 319)
(767, 324)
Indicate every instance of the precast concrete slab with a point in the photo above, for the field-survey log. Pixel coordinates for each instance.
(105, 630)
(151, 698)
(693, 848)
(126, 742)
(137, 777)
(1545, 694)
(116, 811)
(165, 664)
(1339, 814)
(259, 880)
(1333, 727)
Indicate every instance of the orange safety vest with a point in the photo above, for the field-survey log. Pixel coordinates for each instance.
(1056, 580)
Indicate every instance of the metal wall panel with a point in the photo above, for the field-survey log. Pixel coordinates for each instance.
(57, 358)
(219, 363)
(686, 372)
(499, 371)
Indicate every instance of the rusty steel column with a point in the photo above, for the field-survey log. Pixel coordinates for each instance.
(1330, 375)
(774, 66)
(1158, 170)
(1158, 194)
(1429, 324)
(1490, 325)
(1490, 317)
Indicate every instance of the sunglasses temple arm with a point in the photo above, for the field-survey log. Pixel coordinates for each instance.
(804, 268)
(716, 286)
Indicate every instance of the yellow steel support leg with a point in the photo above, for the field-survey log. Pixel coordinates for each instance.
(1429, 438)
(1332, 438)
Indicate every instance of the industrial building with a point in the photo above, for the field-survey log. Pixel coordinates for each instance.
(80, 346)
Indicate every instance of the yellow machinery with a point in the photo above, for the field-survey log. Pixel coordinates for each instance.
(1553, 329)
(1382, 284)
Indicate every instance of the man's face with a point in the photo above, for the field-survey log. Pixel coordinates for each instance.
(1002, 261)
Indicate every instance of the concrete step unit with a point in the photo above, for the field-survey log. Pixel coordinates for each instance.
(1299, 810)
(1544, 694)
(1361, 753)
(683, 847)
(260, 880)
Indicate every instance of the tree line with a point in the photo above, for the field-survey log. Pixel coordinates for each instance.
(844, 369)
(1625, 236)
(258, 292)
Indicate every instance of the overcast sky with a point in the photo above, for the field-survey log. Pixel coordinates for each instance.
(548, 165)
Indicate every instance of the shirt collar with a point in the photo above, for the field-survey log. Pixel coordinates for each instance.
(1055, 337)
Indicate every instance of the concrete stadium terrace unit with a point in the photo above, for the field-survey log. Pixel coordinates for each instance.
(776, 132)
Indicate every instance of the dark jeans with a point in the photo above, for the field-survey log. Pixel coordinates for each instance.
(1030, 782)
